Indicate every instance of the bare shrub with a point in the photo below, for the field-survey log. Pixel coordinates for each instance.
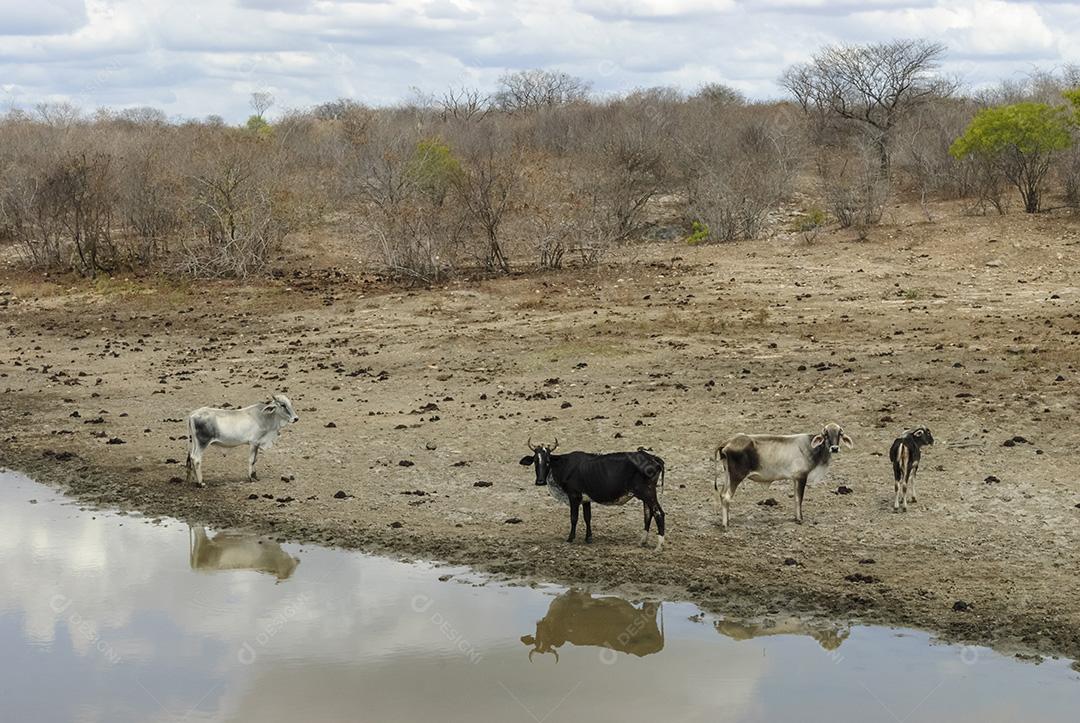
(737, 166)
(856, 188)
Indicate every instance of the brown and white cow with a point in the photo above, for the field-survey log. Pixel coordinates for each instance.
(802, 458)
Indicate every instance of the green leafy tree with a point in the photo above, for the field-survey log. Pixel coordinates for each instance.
(434, 169)
(1020, 141)
(257, 125)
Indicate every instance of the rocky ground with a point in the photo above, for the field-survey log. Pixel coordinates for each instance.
(415, 408)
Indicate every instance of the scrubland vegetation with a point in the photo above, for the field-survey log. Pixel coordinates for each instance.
(538, 173)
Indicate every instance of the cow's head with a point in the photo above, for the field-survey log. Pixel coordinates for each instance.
(922, 436)
(541, 459)
(832, 435)
(281, 408)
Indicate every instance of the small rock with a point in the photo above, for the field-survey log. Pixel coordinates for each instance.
(867, 561)
(790, 561)
(33, 502)
(397, 525)
(843, 490)
(991, 480)
(406, 463)
(770, 502)
(340, 495)
(115, 440)
(512, 521)
(330, 425)
(961, 607)
(481, 483)
(253, 496)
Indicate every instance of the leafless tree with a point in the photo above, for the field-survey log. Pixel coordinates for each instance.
(463, 104)
(260, 102)
(871, 86)
(527, 90)
(720, 94)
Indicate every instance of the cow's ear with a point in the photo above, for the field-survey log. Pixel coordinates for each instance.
(269, 409)
(526, 461)
(847, 440)
(528, 639)
(817, 441)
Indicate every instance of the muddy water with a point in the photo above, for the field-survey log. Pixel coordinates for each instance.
(107, 617)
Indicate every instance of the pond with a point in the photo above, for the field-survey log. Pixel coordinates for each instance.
(113, 617)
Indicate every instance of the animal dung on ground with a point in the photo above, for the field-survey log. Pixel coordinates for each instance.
(861, 578)
(512, 521)
(770, 502)
(991, 480)
(843, 490)
(481, 483)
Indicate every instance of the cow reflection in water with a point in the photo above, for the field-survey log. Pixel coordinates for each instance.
(578, 618)
(826, 636)
(237, 551)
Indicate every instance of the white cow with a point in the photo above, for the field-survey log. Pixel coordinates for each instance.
(256, 426)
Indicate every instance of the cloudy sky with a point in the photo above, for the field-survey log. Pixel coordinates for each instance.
(199, 57)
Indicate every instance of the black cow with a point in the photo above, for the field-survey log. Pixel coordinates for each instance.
(905, 453)
(581, 478)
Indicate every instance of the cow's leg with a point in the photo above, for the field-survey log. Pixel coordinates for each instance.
(896, 496)
(905, 475)
(800, 490)
(648, 521)
(914, 472)
(725, 499)
(575, 503)
(653, 511)
(587, 508)
(253, 454)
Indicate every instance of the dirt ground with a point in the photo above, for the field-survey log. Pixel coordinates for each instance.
(409, 399)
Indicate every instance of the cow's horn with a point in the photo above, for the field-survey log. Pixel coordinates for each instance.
(556, 654)
(556, 445)
(531, 448)
(530, 655)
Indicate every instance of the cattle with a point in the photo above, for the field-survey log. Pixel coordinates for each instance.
(238, 551)
(828, 636)
(579, 479)
(578, 618)
(802, 458)
(905, 453)
(257, 426)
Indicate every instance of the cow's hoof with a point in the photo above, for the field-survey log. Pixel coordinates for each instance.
(569, 539)
(200, 485)
(588, 540)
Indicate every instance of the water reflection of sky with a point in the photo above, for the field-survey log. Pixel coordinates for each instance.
(103, 619)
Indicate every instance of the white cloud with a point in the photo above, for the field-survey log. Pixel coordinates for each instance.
(204, 56)
(18, 17)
